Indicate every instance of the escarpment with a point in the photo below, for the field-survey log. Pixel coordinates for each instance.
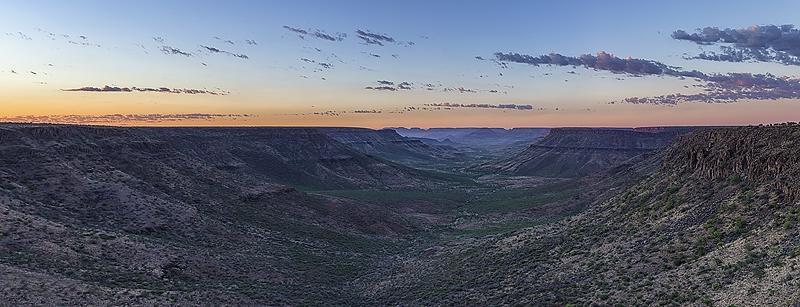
(758, 155)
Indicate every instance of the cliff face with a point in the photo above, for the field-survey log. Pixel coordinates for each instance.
(598, 138)
(756, 155)
(572, 152)
(478, 138)
(388, 144)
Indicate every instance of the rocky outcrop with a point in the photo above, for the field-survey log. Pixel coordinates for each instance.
(186, 216)
(573, 152)
(752, 154)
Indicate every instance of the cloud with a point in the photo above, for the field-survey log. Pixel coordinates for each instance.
(431, 86)
(117, 89)
(119, 118)
(601, 61)
(385, 85)
(370, 38)
(321, 64)
(717, 88)
(367, 111)
(728, 88)
(338, 37)
(227, 41)
(381, 88)
(510, 106)
(296, 30)
(215, 50)
(460, 89)
(170, 50)
(762, 43)
(320, 34)
(331, 113)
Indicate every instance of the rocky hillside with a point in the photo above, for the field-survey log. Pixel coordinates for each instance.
(100, 215)
(298, 156)
(573, 152)
(714, 221)
(196, 216)
(757, 155)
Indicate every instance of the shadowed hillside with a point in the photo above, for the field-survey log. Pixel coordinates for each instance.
(572, 152)
(714, 220)
(186, 215)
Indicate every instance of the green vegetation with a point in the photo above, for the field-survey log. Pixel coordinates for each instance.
(396, 198)
(513, 200)
(495, 228)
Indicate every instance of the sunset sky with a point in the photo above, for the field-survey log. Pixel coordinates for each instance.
(410, 63)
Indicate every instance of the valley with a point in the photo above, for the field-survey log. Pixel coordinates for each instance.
(349, 216)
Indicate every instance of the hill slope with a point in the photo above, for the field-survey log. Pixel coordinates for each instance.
(713, 220)
(100, 215)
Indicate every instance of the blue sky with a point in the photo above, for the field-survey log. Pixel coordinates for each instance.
(278, 86)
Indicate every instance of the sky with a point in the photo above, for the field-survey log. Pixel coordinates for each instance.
(412, 63)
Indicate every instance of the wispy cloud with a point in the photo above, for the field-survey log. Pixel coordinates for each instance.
(367, 111)
(385, 85)
(717, 88)
(762, 43)
(729, 88)
(381, 88)
(120, 118)
(460, 89)
(171, 50)
(116, 89)
(216, 50)
(509, 106)
(602, 61)
(322, 65)
(316, 33)
(371, 38)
